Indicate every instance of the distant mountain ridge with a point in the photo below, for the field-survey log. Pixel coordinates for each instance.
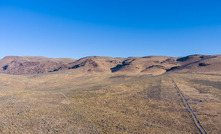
(153, 65)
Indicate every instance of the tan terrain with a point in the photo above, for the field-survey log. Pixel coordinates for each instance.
(110, 95)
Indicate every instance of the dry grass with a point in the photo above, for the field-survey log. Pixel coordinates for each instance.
(63, 102)
(203, 93)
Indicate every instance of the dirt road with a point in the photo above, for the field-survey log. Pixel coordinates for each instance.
(190, 110)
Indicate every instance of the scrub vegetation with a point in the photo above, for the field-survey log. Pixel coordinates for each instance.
(63, 102)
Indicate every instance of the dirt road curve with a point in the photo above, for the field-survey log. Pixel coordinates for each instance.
(190, 110)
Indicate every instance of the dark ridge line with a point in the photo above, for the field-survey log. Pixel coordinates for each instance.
(189, 109)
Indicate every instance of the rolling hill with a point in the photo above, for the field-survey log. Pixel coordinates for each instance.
(110, 95)
(153, 65)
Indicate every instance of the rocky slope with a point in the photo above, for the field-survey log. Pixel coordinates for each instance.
(30, 65)
(132, 65)
(199, 64)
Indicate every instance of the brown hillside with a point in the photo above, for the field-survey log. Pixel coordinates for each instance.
(31, 65)
(148, 64)
(153, 65)
(199, 64)
(95, 64)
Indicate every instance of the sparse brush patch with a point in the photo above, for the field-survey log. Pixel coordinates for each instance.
(60, 103)
(5, 67)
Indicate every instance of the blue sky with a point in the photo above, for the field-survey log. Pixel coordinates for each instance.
(115, 28)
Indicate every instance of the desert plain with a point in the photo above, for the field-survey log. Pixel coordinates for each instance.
(110, 95)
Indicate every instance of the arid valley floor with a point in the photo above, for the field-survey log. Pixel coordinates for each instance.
(110, 95)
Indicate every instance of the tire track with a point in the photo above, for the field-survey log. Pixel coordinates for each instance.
(67, 99)
(190, 110)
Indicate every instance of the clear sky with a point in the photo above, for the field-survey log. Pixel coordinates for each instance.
(115, 28)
